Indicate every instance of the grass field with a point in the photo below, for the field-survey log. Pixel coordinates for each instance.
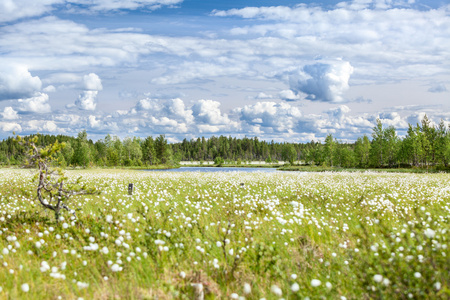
(253, 235)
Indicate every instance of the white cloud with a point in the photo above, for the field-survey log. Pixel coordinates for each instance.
(270, 116)
(37, 104)
(263, 95)
(50, 126)
(49, 89)
(107, 5)
(10, 127)
(9, 113)
(17, 82)
(208, 112)
(173, 108)
(11, 10)
(93, 122)
(322, 82)
(87, 100)
(92, 82)
(288, 95)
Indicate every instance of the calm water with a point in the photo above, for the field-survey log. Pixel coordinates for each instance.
(215, 169)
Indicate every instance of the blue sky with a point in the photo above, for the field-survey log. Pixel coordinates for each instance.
(282, 70)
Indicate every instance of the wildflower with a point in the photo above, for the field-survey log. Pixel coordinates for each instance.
(315, 282)
(437, 285)
(234, 296)
(429, 233)
(25, 287)
(82, 285)
(182, 274)
(328, 285)
(247, 288)
(295, 287)
(44, 267)
(116, 268)
(293, 276)
(378, 278)
(417, 275)
(218, 244)
(276, 290)
(5, 251)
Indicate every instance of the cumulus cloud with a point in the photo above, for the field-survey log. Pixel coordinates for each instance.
(93, 122)
(288, 95)
(271, 116)
(338, 113)
(37, 104)
(322, 82)
(173, 108)
(17, 82)
(92, 82)
(87, 100)
(9, 113)
(208, 112)
(50, 126)
(263, 95)
(10, 127)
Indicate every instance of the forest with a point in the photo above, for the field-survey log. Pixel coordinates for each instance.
(424, 145)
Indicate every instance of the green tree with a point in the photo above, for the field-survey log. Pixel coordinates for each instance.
(163, 151)
(362, 151)
(289, 153)
(81, 152)
(330, 149)
(148, 151)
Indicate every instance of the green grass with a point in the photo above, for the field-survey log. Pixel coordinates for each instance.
(362, 235)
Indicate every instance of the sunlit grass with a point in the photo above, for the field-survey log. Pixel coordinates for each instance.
(253, 235)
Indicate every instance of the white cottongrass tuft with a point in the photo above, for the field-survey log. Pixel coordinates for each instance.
(116, 268)
(417, 275)
(25, 287)
(295, 287)
(276, 290)
(429, 233)
(247, 288)
(378, 278)
(315, 282)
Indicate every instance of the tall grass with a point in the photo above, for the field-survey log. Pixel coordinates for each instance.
(253, 235)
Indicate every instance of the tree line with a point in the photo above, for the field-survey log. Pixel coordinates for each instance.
(424, 145)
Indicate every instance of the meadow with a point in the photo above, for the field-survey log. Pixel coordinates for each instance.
(359, 235)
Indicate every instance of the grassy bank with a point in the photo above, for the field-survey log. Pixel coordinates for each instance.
(305, 168)
(256, 235)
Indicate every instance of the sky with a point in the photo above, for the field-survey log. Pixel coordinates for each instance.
(281, 70)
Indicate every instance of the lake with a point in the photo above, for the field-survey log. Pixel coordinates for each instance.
(217, 169)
